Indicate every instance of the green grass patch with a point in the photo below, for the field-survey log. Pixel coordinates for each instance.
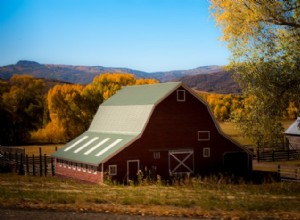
(51, 191)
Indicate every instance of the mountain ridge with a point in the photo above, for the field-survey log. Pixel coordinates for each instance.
(201, 78)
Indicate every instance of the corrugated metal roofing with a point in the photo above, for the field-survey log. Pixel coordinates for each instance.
(294, 129)
(93, 147)
(121, 119)
(141, 95)
(118, 121)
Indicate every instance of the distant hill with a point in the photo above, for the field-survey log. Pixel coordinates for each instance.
(206, 78)
(219, 82)
(67, 73)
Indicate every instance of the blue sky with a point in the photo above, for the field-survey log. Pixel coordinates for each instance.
(147, 35)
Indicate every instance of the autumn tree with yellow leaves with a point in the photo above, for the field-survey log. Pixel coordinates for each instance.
(21, 108)
(263, 37)
(72, 107)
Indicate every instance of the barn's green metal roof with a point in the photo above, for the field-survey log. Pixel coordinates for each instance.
(125, 119)
(141, 95)
(118, 122)
(93, 147)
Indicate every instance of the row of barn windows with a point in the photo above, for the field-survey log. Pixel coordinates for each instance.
(77, 166)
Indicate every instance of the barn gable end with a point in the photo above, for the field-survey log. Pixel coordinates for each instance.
(293, 135)
(164, 129)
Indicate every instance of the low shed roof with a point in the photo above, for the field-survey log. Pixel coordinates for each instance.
(294, 128)
(93, 147)
(119, 121)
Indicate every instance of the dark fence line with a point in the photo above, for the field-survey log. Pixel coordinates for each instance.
(277, 155)
(41, 165)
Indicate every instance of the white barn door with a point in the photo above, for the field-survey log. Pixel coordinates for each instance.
(181, 161)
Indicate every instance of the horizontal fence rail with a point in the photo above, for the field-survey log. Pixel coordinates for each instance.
(41, 165)
(289, 173)
(278, 155)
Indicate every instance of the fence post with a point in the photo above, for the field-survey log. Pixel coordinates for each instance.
(27, 165)
(45, 164)
(257, 153)
(52, 166)
(41, 162)
(16, 162)
(278, 170)
(21, 166)
(33, 165)
(273, 155)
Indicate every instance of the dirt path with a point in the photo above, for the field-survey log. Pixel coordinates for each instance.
(17, 214)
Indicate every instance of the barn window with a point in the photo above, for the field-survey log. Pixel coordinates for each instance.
(112, 170)
(79, 167)
(181, 95)
(203, 135)
(89, 169)
(206, 152)
(94, 169)
(83, 167)
(74, 166)
(156, 155)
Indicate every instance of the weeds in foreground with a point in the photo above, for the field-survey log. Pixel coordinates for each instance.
(195, 193)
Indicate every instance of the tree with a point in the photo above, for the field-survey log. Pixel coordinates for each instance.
(22, 107)
(66, 108)
(263, 37)
(72, 107)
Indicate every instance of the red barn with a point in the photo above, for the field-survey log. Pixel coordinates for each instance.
(162, 129)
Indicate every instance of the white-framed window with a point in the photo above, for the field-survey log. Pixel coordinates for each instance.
(59, 162)
(156, 155)
(203, 135)
(79, 167)
(83, 167)
(181, 95)
(206, 152)
(89, 169)
(94, 169)
(112, 170)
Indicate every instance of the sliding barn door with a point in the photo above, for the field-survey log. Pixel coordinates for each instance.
(181, 161)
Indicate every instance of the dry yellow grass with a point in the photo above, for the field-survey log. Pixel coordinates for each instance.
(46, 149)
(195, 198)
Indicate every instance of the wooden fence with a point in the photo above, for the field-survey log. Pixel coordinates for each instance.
(289, 173)
(278, 155)
(41, 165)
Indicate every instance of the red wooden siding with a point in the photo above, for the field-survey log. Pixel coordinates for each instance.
(174, 125)
(73, 172)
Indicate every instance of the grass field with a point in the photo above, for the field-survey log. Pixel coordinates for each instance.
(197, 198)
(203, 198)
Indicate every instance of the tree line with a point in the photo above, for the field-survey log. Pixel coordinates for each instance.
(29, 114)
(227, 107)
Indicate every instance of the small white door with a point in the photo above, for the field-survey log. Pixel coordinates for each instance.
(133, 167)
